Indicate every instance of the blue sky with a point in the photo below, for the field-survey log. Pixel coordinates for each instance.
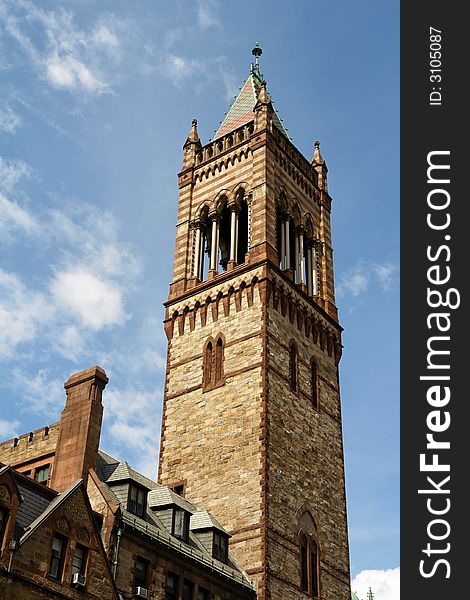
(96, 100)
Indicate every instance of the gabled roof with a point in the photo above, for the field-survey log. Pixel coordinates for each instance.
(241, 111)
(203, 519)
(110, 470)
(163, 496)
(35, 498)
(57, 501)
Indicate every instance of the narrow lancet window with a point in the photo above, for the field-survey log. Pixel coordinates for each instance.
(293, 360)
(314, 375)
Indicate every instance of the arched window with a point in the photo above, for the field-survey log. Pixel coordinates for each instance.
(314, 383)
(309, 566)
(208, 365)
(242, 245)
(224, 237)
(219, 357)
(280, 241)
(213, 366)
(313, 569)
(304, 563)
(293, 360)
(201, 244)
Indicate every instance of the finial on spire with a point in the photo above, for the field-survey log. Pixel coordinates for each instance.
(370, 594)
(193, 136)
(257, 52)
(317, 157)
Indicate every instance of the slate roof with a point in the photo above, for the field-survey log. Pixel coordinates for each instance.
(35, 499)
(203, 519)
(59, 499)
(111, 470)
(163, 496)
(241, 111)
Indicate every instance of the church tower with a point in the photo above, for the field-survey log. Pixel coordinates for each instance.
(252, 418)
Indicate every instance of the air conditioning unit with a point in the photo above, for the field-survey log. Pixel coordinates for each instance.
(79, 580)
(141, 592)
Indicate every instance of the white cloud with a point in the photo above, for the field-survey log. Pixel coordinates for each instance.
(97, 303)
(11, 172)
(9, 120)
(83, 287)
(69, 341)
(41, 394)
(179, 69)
(132, 425)
(60, 52)
(206, 14)
(357, 279)
(68, 72)
(385, 275)
(385, 584)
(103, 37)
(354, 282)
(85, 238)
(14, 216)
(8, 429)
(22, 312)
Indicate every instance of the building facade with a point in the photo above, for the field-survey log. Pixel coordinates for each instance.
(252, 417)
(78, 523)
(250, 500)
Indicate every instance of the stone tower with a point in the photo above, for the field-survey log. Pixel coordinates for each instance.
(252, 419)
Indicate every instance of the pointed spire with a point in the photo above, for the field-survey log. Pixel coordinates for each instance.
(191, 146)
(253, 92)
(317, 157)
(320, 167)
(193, 136)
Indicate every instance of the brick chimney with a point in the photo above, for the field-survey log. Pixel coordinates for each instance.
(80, 427)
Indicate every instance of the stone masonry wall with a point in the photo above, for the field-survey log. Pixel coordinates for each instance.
(211, 440)
(305, 459)
(30, 449)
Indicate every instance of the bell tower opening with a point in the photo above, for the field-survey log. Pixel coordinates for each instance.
(252, 414)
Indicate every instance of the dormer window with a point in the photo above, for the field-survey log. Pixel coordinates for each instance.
(180, 527)
(220, 547)
(136, 503)
(210, 534)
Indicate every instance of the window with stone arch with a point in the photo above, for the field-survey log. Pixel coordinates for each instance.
(213, 363)
(219, 360)
(293, 366)
(314, 383)
(208, 364)
(309, 556)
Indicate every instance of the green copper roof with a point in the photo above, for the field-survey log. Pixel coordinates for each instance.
(354, 596)
(241, 111)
